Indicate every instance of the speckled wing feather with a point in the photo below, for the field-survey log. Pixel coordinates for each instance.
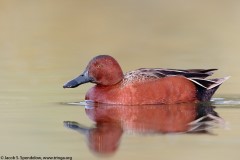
(191, 73)
(197, 76)
(161, 72)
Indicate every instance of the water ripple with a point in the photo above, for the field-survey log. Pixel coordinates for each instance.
(233, 102)
(230, 102)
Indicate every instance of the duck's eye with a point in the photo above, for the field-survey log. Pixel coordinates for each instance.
(97, 65)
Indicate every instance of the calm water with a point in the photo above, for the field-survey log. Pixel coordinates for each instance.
(43, 44)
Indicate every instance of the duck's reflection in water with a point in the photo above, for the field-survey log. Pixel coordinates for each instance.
(113, 120)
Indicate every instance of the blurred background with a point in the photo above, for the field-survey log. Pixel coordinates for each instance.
(59, 37)
(44, 43)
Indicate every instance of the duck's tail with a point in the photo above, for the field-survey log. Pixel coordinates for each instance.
(207, 87)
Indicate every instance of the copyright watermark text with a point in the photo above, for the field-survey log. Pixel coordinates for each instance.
(34, 158)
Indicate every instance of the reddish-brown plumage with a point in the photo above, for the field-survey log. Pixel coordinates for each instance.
(168, 90)
(104, 70)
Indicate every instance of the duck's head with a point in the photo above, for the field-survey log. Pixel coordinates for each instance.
(102, 70)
